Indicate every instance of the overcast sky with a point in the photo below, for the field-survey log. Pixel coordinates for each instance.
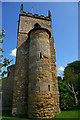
(64, 22)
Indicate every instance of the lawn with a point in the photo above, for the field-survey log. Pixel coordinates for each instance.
(75, 113)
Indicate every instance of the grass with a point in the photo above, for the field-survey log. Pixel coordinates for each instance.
(75, 113)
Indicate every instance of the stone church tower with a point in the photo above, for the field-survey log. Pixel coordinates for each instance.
(35, 83)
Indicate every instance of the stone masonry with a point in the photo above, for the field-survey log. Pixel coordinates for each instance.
(35, 92)
(7, 89)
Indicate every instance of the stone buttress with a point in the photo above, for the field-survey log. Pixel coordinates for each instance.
(36, 91)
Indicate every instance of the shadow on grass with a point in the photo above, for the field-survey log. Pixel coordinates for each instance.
(73, 114)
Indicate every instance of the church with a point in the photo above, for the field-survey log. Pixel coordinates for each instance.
(32, 87)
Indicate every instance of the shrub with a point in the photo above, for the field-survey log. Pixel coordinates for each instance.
(66, 96)
(66, 101)
(79, 101)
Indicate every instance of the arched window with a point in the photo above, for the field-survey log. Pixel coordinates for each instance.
(37, 25)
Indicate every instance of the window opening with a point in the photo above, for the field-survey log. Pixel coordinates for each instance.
(39, 89)
(37, 25)
(48, 87)
(40, 55)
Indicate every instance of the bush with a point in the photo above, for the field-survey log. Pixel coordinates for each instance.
(79, 101)
(66, 96)
(66, 101)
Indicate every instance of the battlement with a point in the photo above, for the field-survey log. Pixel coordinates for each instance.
(35, 15)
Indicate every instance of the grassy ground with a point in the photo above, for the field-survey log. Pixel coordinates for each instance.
(75, 113)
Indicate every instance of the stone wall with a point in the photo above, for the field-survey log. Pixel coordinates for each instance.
(35, 83)
(54, 75)
(40, 87)
(7, 89)
(21, 76)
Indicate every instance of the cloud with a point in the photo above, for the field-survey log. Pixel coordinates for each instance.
(61, 68)
(13, 52)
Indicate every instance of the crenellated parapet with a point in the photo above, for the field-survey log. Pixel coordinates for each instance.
(35, 15)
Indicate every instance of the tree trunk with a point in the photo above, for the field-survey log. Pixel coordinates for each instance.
(75, 97)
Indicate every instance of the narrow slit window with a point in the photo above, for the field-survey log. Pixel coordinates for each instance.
(40, 55)
(39, 89)
(48, 87)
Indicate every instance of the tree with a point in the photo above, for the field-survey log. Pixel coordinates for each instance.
(6, 61)
(71, 76)
(66, 96)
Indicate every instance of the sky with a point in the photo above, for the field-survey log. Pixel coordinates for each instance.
(64, 23)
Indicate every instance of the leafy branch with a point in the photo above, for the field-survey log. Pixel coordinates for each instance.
(6, 61)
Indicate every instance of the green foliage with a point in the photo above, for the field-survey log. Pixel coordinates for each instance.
(63, 87)
(59, 78)
(66, 96)
(75, 66)
(79, 87)
(6, 61)
(79, 101)
(72, 75)
(66, 101)
(2, 34)
(1, 50)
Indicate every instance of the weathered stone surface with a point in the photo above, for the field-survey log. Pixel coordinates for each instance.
(35, 82)
(40, 79)
(7, 89)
